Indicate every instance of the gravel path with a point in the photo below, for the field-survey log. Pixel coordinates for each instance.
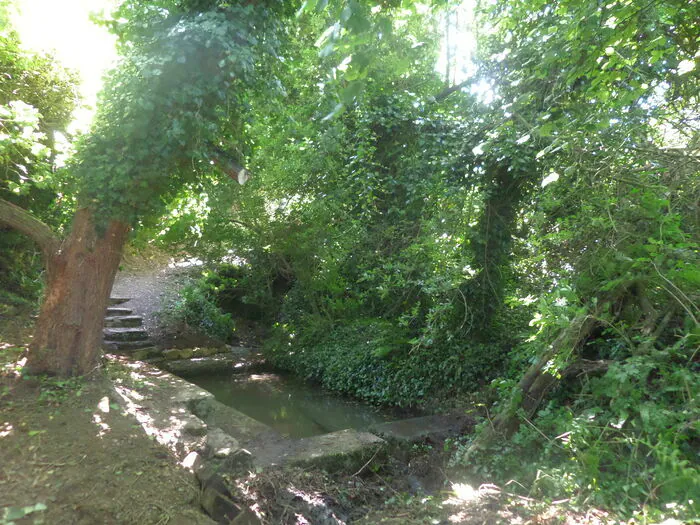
(149, 289)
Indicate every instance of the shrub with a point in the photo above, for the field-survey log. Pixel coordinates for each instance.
(372, 359)
(196, 308)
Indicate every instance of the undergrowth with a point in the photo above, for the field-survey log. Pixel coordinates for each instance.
(195, 309)
(626, 440)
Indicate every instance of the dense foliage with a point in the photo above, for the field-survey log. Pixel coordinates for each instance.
(404, 240)
(37, 98)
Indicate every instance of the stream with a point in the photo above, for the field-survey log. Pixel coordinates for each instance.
(292, 407)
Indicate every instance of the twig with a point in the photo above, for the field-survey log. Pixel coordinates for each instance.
(365, 465)
(685, 307)
(387, 485)
(542, 433)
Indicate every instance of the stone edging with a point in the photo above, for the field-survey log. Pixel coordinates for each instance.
(217, 442)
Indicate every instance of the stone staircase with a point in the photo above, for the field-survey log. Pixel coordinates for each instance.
(124, 332)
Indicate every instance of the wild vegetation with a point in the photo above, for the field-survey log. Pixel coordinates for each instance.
(529, 233)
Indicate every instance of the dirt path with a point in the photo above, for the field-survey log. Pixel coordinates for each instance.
(68, 455)
(148, 286)
(70, 452)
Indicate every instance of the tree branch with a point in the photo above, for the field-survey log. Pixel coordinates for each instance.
(229, 166)
(449, 90)
(24, 222)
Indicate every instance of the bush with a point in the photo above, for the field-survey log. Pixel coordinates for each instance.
(196, 309)
(372, 359)
(626, 439)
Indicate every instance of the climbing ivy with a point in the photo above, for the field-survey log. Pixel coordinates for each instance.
(173, 109)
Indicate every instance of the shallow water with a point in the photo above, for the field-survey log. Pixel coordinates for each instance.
(291, 406)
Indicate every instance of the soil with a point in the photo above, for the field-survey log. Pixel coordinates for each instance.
(63, 446)
(395, 491)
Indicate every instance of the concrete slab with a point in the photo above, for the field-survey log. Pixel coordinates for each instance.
(203, 365)
(115, 310)
(250, 433)
(125, 334)
(342, 450)
(123, 321)
(421, 428)
(126, 347)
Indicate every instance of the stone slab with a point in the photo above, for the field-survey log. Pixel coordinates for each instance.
(125, 334)
(123, 321)
(249, 432)
(342, 450)
(118, 310)
(202, 365)
(113, 301)
(127, 347)
(421, 428)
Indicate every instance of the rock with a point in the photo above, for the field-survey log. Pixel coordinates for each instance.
(219, 505)
(219, 444)
(215, 497)
(239, 463)
(246, 517)
(125, 334)
(194, 427)
(171, 354)
(193, 461)
(186, 353)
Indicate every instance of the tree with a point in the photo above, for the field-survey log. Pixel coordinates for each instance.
(612, 222)
(168, 113)
(36, 101)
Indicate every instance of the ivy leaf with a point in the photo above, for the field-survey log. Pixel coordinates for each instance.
(352, 90)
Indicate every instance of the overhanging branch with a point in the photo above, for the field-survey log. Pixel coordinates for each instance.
(449, 90)
(228, 165)
(24, 222)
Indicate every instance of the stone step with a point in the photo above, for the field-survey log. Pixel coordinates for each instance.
(127, 347)
(123, 321)
(125, 334)
(113, 301)
(115, 310)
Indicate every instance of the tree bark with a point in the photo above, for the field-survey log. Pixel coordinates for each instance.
(537, 381)
(24, 222)
(491, 244)
(68, 335)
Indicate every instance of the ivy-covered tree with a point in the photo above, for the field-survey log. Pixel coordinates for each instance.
(169, 112)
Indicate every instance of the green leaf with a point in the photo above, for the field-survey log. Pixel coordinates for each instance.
(337, 110)
(351, 91)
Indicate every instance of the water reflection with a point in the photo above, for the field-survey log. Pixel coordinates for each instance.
(290, 406)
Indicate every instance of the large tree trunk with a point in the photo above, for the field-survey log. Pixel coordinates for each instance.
(491, 244)
(68, 335)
